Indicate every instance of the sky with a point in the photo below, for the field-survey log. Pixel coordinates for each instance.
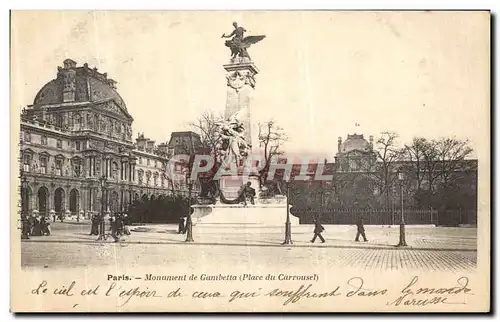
(413, 73)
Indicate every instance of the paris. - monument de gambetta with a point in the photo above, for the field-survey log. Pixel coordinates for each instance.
(78, 130)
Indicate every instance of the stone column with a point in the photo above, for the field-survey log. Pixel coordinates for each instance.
(240, 77)
(67, 197)
(82, 202)
(107, 167)
(240, 88)
(88, 164)
(50, 201)
(34, 197)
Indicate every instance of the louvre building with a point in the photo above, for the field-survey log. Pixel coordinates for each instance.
(76, 137)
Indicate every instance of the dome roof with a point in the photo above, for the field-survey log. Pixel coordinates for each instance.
(355, 142)
(87, 84)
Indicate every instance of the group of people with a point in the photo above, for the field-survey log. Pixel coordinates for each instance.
(318, 229)
(36, 225)
(118, 225)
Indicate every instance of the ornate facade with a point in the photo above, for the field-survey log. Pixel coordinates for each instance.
(78, 131)
(355, 154)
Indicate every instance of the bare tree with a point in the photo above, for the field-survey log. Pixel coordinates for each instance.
(271, 139)
(388, 154)
(451, 153)
(430, 153)
(207, 127)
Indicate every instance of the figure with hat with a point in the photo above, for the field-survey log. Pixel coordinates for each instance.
(318, 229)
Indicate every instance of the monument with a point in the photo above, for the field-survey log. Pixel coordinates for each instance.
(238, 199)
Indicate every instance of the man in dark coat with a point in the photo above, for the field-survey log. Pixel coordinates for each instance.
(247, 192)
(95, 225)
(361, 230)
(318, 229)
(182, 227)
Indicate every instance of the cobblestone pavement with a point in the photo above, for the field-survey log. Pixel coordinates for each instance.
(430, 249)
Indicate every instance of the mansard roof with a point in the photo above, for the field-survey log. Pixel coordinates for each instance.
(89, 86)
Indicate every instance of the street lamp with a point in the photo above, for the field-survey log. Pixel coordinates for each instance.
(102, 181)
(288, 224)
(24, 210)
(189, 222)
(402, 239)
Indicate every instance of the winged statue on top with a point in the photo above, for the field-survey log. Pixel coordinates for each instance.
(239, 44)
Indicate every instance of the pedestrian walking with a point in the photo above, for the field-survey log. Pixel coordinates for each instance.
(45, 225)
(114, 222)
(37, 227)
(318, 229)
(182, 227)
(95, 225)
(126, 223)
(361, 230)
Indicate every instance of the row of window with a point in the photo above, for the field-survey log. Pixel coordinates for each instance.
(79, 146)
(148, 162)
(140, 176)
(57, 169)
(59, 143)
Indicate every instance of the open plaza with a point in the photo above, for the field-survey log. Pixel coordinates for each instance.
(429, 248)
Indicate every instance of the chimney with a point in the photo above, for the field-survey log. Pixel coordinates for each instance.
(163, 148)
(69, 64)
(141, 142)
(150, 144)
(371, 142)
(339, 143)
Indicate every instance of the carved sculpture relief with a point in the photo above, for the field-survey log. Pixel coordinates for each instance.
(69, 81)
(239, 79)
(111, 107)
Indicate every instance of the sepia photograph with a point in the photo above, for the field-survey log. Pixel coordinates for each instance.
(250, 161)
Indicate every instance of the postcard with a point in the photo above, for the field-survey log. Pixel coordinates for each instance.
(250, 161)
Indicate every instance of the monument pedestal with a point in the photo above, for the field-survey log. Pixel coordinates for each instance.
(272, 214)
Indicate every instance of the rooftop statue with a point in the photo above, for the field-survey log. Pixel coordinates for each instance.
(239, 44)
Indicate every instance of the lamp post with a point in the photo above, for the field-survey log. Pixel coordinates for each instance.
(402, 239)
(102, 181)
(189, 222)
(24, 210)
(288, 224)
